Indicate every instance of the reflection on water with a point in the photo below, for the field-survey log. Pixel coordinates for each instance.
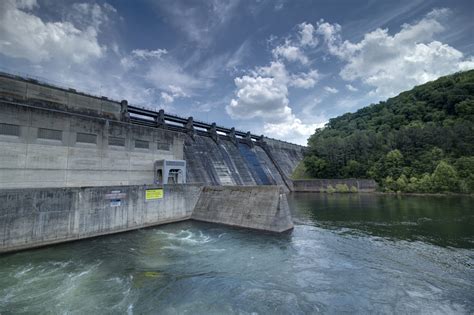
(349, 253)
(441, 220)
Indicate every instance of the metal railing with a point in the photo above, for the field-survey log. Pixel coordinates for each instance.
(140, 110)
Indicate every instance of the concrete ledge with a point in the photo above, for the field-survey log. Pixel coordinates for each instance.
(42, 216)
(321, 185)
(255, 207)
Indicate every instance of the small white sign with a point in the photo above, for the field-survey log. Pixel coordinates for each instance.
(115, 203)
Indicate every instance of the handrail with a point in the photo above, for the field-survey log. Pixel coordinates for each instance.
(140, 110)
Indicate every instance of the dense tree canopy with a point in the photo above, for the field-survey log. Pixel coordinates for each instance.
(419, 141)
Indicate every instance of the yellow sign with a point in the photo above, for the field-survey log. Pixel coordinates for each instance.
(152, 194)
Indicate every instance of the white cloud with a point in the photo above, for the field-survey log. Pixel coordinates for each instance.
(304, 80)
(394, 63)
(167, 98)
(139, 55)
(24, 35)
(293, 130)
(306, 32)
(264, 92)
(173, 93)
(290, 52)
(258, 96)
(264, 95)
(351, 88)
(145, 53)
(331, 89)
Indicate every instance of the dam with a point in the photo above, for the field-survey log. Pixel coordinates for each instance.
(75, 165)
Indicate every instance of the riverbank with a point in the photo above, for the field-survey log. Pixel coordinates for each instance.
(391, 193)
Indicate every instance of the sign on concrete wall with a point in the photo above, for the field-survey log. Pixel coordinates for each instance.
(152, 194)
(115, 197)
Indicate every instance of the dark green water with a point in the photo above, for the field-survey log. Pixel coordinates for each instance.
(347, 254)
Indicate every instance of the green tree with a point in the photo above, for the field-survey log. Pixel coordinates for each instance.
(353, 169)
(402, 183)
(465, 169)
(393, 163)
(315, 166)
(425, 184)
(445, 177)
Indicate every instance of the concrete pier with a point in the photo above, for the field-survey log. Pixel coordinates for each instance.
(256, 207)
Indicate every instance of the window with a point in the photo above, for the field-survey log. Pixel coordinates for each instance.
(163, 146)
(9, 130)
(141, 144)
(86, 138)
(50, 134)
(119, 142)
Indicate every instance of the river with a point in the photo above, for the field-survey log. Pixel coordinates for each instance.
(354, 253)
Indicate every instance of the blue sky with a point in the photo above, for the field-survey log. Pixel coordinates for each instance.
(279, 68)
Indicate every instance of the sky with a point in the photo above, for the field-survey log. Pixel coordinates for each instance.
(281, 68)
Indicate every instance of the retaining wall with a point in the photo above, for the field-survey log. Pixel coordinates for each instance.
(320, 185)
(43, 216)
(256, 207)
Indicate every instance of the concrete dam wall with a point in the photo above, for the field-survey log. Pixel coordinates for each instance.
(46, 148)
(35, 217)
(74, 166)
(55, 137)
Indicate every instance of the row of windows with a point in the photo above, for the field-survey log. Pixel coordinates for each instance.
(51, 134)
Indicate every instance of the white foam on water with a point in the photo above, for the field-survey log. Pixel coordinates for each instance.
(186, 236)
(130, 309)
(23, 271)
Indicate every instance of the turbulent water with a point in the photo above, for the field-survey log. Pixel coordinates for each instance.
(347, 253)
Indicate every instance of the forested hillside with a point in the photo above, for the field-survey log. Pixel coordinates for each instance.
(419, 141)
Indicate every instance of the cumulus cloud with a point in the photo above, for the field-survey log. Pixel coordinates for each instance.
(173, 92)
(307, 35)
(264, 92)
(264, 95)
(290, 52)
(304, 80)
(293, 130)
(331, 89)
(393, 63)
(24, 35)
(351, 88)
